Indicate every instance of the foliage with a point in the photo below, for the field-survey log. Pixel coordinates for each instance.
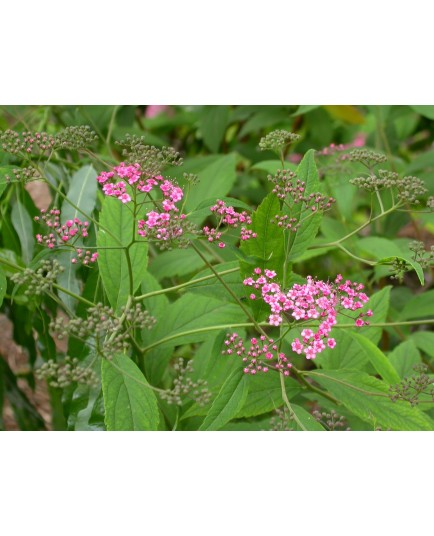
(218, 267)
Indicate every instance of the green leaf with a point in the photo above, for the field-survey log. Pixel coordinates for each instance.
(176, 263)
(368, 398)
(305, 421)
(305, 108)
(215, 180)
(265, 394)
(265, 119)
(213, 123)
(272, 166)
(129, 402)
(385, 251)
(424, 340)
(414, 264)
(346, 354)
(421, 306)
(309, 221)
(404, 357)
(228, 402)
(426, 111)
(214, 288)
(82, 192)
(268, 245)
(113, 265)
(202, 211)
(23, 226)
(155, 305)
(186, 321)
(378, 360)
(68, 278)
(3, 285)
(86, 401)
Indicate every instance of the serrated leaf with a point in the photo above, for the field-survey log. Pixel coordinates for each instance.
(267, 247)
(265, 394)
(113, 265)
(309, 221)
(129, 402)
(368, 398)
(176, 263)
(424, 340)
(228, 402)
(404, 357)
(421, 306)
(181, 323)
(213, 287)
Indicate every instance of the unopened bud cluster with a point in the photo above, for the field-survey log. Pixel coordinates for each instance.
(183, 386)
(26, 174)
(40, 280)
(107, 329)
(152, 160)
(366, 157)
(411, 388)
(77, 137)
(64, 374)
(421, 255)
(331, 420)
(60, 233)
(277, 140)
(281, 421)
(287, 185)
(230, 218)
(261, 354)
(409, 188)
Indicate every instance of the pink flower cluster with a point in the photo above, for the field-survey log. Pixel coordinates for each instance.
(231, 218)
(71, 229)
(315, 300)
(258, 357)
(86, 257)
(162, 226)
(229, 215)
(132, 174)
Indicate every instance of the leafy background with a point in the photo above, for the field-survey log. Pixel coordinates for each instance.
(219, 143)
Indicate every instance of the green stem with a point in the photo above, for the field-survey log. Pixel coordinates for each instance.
(110, 128)
(299, 375)
(230, 291)
(349, 235)
(287, 403)
(201, 330)
(365, 261)
(183, 285)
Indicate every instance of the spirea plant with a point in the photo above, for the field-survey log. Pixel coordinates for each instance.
(147, 297)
